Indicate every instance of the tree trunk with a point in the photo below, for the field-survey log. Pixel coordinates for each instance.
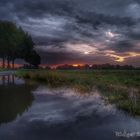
(8, 63)
(3, 62)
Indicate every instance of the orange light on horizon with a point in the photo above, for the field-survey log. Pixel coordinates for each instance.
(77, 65)
(15, 65)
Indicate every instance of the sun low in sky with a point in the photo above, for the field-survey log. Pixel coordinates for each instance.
(86, 52)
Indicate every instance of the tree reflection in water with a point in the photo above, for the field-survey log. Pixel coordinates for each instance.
(14, 98)
(10, 80)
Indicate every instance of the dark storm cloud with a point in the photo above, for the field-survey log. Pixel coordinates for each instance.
(122, 46)
(99, 19)
(135, 36)
(72, 8)
(69, 7)
(104, 25)
(38, 8)
(55, 58)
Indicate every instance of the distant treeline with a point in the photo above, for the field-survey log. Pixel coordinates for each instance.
(95, 66)
(16, 44)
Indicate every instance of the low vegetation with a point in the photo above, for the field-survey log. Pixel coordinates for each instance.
(3, 69)
(120, 87)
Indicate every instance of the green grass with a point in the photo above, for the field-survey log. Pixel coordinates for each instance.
(120, 87)
(1, 69)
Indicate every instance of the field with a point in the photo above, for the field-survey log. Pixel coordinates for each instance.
(119, 87)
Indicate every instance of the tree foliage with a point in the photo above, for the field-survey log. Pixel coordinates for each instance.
(15, 43)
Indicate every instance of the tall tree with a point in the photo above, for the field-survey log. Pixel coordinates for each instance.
(10, 39)
(15, 43)
(33, 58)
(3, 43)
(27, 52)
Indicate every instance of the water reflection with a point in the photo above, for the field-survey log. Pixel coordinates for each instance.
(61, 105)
(59, 114)
(63, 114)
(134, 96)
(10, 79)
(15, 98)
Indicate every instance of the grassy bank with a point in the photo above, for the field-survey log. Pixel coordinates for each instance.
(120, 87)
(1, 69)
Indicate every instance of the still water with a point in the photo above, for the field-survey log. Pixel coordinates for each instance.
(37, 112)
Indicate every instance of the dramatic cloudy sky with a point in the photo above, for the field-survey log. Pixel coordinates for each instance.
(79, 31)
